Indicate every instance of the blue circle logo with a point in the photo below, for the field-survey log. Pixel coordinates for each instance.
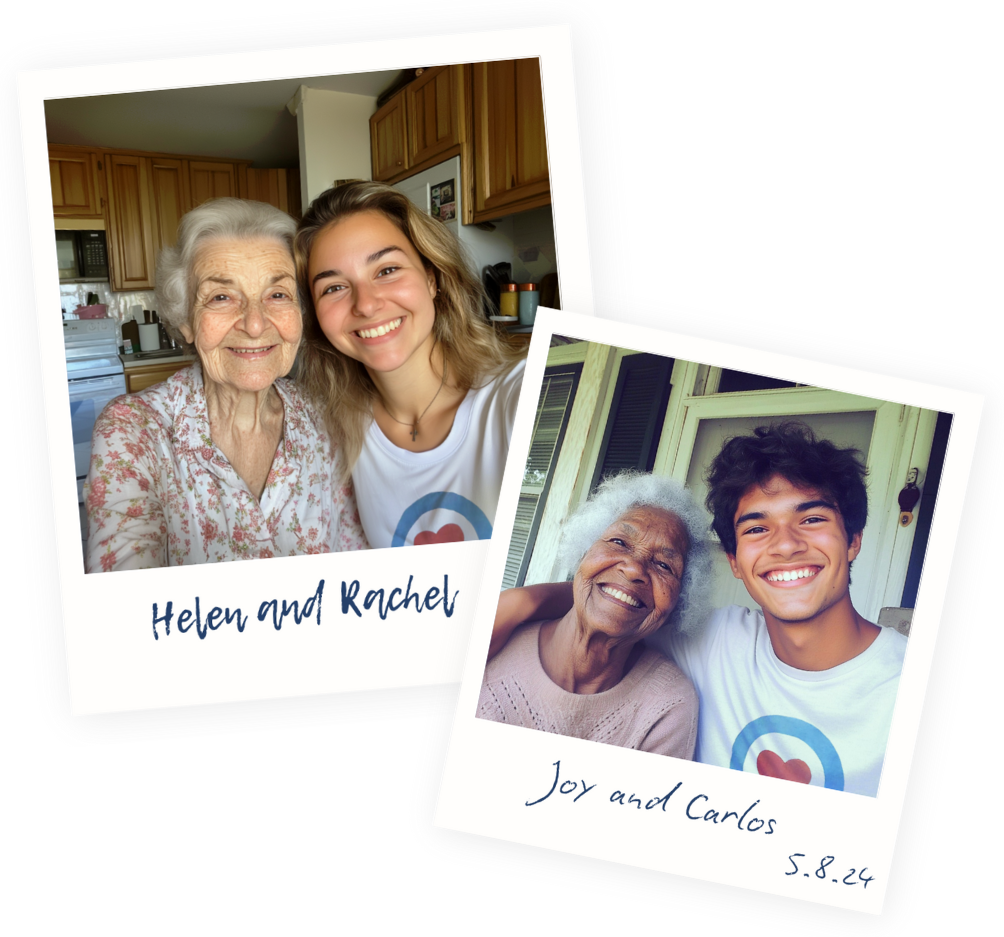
(447, 501)
(833, 770)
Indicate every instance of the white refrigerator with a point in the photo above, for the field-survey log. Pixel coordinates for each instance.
(438, 191)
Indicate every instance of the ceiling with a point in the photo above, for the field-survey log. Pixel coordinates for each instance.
(242, 121)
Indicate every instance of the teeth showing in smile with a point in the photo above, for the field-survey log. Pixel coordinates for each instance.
(788, 575)
(379, 330)
(621, 596)
(250, 351)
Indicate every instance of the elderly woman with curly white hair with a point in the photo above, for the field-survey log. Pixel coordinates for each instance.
(225, 460)
(641, 564)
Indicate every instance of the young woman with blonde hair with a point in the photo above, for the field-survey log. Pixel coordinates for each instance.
(417, 388)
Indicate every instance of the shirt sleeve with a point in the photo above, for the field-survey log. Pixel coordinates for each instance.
(125, 514)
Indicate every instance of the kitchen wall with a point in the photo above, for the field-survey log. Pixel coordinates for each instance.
(119, 305)
(334, 135)
(533, 245)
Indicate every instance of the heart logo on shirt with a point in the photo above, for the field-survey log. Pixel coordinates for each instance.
(772, 765)
(448, 533)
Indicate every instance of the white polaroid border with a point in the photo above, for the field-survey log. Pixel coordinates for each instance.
(494, 773)
(114, 659)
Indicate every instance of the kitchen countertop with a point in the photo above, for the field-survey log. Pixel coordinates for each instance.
(139, 359)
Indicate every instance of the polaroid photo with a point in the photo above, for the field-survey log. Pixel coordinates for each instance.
(727, 569)
(280, 627)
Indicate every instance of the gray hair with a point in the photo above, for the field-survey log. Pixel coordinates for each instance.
(628, 490)
(228, 218)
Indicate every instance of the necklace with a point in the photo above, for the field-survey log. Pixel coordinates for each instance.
(414, 426)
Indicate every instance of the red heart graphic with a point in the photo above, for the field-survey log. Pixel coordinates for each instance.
(448, 533)
(771, 765)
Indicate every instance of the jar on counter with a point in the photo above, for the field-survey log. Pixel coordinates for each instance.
(508, 300)
(529, 299)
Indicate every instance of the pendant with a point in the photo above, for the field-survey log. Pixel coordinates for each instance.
(414, 432)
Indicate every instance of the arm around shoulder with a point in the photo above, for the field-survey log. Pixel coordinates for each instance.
(527, 603)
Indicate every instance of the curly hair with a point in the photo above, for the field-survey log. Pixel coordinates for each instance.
(792, 451)
(632, 489)
(472, 349)
(218, 219)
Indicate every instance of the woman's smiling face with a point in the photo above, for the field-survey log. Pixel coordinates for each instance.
(246, 323)
(373, 295)
(629, 581)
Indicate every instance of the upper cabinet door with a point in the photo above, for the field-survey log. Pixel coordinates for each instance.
(267, 185)
(74, 174)
(170, 198)
(212, 180)
(510, 148)
(129, 230)
(434, 106)
(389, 139)
(278, 187)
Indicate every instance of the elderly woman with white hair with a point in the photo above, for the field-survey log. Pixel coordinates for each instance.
(225, 460)
(641, 564)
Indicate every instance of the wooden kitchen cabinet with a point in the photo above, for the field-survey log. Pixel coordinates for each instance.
(212, 180)
(170, 198)
(130, 231)
(434, 107)
(138, 198)
(510, 147)
(277, 187)
(147, 195)
(491, 114)
(422, 125)
(142, 376)
(389, 139)
(75, 176)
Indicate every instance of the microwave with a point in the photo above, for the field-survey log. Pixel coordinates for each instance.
(82, 256)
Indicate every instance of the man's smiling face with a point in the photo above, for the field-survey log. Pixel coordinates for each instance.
(792, 551)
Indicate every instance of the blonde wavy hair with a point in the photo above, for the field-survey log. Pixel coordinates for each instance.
(472, 349)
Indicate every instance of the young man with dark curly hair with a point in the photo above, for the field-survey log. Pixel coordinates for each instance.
(803, 689)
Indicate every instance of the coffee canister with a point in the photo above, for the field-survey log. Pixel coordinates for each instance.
(529, 299)
(508, 300)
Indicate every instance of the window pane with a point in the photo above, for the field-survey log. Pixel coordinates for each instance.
(734, 381)
(553, 406)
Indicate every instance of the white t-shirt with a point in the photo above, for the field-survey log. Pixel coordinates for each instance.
(827, 727)
(448, 493)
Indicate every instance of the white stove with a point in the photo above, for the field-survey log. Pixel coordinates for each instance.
(95, 376)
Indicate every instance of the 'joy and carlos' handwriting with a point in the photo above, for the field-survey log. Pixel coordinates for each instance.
(698, 807)
(382, 601)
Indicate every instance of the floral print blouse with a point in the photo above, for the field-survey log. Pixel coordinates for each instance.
(159, 493)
